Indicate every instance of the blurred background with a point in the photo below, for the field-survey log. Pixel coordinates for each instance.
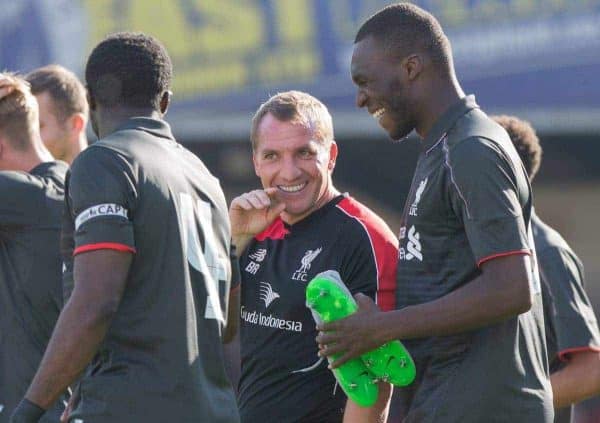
(537, 59)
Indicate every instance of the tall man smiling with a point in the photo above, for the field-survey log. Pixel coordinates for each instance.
(468, 294)
(295, 227)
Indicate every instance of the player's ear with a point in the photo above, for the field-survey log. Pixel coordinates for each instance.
(333, 153)
(76, 124)
(165, 101)
(412, 65)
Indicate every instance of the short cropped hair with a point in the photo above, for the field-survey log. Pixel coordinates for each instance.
(18, 113)
(65, 89)
(525, 141)
(296, 107)
(129, 69)
(405, 28)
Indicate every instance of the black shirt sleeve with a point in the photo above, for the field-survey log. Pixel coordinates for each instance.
(102, 199)
(484, 193)
(571, 315)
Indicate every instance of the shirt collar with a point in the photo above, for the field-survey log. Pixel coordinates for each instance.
(157, 127)
(446, 121)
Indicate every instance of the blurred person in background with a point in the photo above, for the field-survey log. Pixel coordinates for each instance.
(146, 234)
(63, 110)
(31, 204)
(572, 334)
(295, 227)
(468, 294)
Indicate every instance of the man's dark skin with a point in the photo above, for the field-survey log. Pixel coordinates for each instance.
(86, 317)
(414, 93)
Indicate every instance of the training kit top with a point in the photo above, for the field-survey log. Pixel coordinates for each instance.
(138, 191)
(282, 378)
(470, 202)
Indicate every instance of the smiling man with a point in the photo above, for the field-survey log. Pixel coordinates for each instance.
(295, 227)
(468, 294)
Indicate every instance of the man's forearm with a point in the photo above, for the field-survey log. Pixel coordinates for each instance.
(74, 342)
(578, 380)
(481, 302)
(375, 414)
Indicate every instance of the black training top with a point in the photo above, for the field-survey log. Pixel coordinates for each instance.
(139, 191)
(571, 325)
(282, 378)
(470, 202)
(30, 276)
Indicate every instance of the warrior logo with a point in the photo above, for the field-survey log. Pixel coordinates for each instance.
(413, 207)
(267, 294)
(309, 256)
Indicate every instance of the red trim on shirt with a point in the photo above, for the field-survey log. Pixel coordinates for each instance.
(276, 230)
(235, 288)
(508, 253)
(385, 249)
(104, 246)
(562, 355)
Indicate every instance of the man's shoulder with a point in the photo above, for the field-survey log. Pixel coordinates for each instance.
(358, 212)
(360, 223)
(476, 125)
(476, 135)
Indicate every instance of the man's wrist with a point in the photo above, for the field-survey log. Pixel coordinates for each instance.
(26, 412)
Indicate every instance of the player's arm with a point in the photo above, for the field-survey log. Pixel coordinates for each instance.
(568, 311)
(483, 194)
(250, 214)
(233, 315)
(578, 380)
(100, 280)
(501, 291)
(377, 413)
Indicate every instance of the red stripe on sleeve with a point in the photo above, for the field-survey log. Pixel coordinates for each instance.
(508, 253)
(385, 249)
(103, 246)
(564, 354)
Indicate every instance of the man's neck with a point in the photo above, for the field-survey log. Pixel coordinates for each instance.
(446, 94)
(27, 160)
(111, 119)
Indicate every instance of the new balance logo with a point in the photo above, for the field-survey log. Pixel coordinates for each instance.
(267, 294)
(306, 262)
(259, 255)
